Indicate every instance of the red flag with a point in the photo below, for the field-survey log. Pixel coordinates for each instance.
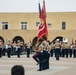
(42, 30)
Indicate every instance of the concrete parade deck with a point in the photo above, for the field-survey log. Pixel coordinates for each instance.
(65, 66)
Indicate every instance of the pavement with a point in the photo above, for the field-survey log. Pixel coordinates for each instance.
(64, 66)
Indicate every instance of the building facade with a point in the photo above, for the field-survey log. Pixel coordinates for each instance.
(24, 26)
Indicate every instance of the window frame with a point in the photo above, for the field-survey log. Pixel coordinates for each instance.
(4, 26)
(25, 26)
(50, 25)
(63, 25)
(37, 24)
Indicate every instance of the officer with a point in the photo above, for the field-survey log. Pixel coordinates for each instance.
(48, 56)
(18, 49)
(45, 54)
(40, 50)
(36, 56)
(71, 47)
(28, 45)
(1, 44)
(14, 48)
(63, 49)
(67, 47)
(74, 49)
(57, 49)
(52, 48)
(9, 48)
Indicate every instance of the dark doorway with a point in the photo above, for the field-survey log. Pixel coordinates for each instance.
(34, 40)
(1, 38)
(18, 38)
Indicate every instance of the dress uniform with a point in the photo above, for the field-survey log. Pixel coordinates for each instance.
(57, 49)
(44, 43)
(14, 47)
(28, 45)
(9, 49)
(71, 47)
(36, 56)
(52, 48)
(18, 49)
(63, 49)
(40, 58)
(74, 49)
(48, 56)
(67, 47)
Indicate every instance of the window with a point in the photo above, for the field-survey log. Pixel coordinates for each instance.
(24, 25)
(37, 24)
(49, 25)
(4, 25)
(63, 25)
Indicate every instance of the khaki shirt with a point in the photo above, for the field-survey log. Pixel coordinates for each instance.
(49, 48)
(74, 47)
(40, 48)
(9, 44)
(28, 45)
(18, 44)
(57, 45)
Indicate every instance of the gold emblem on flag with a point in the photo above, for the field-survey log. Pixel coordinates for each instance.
(41, 22)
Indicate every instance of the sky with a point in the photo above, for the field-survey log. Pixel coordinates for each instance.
(32, 5)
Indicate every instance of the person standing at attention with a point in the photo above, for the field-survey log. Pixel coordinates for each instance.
(9, 49)
(28, 45)
(18, 49)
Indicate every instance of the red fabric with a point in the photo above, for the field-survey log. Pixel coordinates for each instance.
(42, 30)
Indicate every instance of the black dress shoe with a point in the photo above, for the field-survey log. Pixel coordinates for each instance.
(43, 69)
(47, 68)
(39, 70)
(9, 57)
